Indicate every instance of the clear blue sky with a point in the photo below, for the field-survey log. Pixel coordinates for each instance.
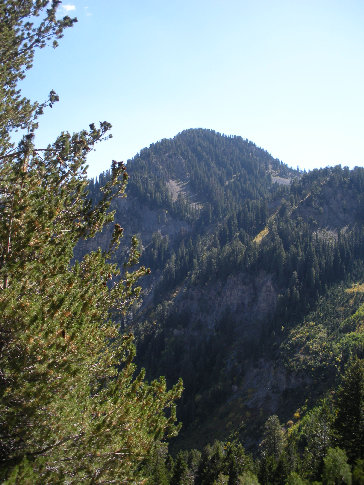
(286, 74)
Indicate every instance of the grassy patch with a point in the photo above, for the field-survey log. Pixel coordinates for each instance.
(356, 288)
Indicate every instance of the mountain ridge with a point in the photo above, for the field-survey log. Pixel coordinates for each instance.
(240, 246)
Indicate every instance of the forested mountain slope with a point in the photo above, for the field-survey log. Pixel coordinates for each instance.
(247, 258)
(255, 298)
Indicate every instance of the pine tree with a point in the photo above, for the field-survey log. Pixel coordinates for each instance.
(274, 438)
(72, 407)
(349, 422)
(336, 468)
(24, 27)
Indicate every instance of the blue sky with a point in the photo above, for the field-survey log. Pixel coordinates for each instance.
(287, 75)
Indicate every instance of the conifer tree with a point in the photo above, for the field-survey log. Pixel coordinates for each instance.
(349, 422)
(336, 468)
(72, 408)
(274, 438)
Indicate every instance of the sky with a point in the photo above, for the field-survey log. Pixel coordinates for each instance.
(285, 74)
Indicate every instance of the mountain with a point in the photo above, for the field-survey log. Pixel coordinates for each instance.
(256, 289)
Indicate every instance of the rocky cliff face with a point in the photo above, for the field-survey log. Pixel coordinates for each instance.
(249, 298)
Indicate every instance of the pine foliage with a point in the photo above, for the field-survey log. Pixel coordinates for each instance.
(73, 409)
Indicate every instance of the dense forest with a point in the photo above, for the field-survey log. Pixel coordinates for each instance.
(222, 266)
